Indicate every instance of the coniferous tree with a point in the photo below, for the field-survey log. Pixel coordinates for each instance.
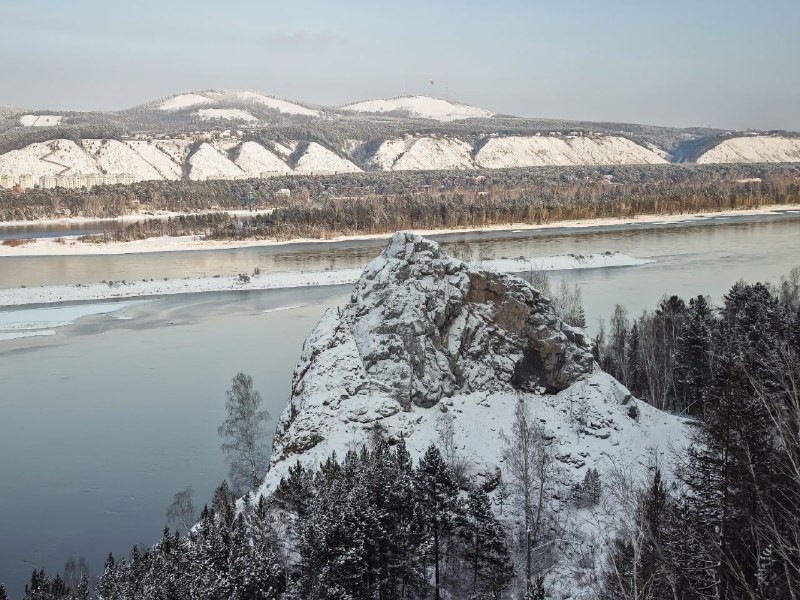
(485, 549)
(437, 497)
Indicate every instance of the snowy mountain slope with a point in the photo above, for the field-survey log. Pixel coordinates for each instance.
(420, 107)
(162, 162)
(427, 339)
(421, 153)
(182, 101)
(55, 157)
(282, 106)
(753, 149)
(319, 160)
(255, 160)
(208, 163)
(113, 156)
(531, 151)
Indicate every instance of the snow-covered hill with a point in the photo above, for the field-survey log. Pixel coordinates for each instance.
(427, 338)
(534, 151)
(754, 149)
(420, 107)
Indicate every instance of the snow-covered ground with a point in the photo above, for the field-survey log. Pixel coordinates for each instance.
(423, 107)
(40, 120)
(182, 101)
(228, 114)
(754, 149)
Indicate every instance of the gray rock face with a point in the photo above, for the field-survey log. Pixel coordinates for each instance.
(428, 326)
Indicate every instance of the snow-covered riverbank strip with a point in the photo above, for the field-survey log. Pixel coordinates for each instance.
(71, 246)
(127, 219)
(265, 281)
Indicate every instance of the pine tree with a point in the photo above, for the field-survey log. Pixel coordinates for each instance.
(107, 582)
(485, 548)
(693, 361)
(3, 595)
(437, 498)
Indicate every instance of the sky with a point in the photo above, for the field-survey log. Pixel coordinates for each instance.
(732, 64)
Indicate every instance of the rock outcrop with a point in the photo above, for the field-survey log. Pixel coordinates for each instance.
(422, 327)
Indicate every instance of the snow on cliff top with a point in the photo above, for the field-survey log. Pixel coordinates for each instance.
(423, 107)
(753, 149)
(184, 101)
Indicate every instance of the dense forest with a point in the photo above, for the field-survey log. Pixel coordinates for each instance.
(369, 203)
(720, 523)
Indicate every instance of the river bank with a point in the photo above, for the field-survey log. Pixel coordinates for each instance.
(68, 246)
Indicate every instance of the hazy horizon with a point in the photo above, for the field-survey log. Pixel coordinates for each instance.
(729, 65)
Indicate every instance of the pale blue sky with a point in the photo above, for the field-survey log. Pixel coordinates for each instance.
(731, 64)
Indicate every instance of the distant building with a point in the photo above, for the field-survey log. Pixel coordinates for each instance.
(283, 192)
(48, 182)
(7, 182)
(26, 182)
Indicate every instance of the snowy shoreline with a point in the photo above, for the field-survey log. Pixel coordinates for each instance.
(49, 247)
(15, 297)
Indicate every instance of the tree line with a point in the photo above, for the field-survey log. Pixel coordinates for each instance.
(727, 526)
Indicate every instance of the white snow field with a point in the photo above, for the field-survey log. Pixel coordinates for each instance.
(422, 107)
(182, 101)
(40, 120)
(534, 151)
(754, 149)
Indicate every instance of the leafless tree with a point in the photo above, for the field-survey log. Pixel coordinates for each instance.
(181, 511)
(528, 462)
(244, 435)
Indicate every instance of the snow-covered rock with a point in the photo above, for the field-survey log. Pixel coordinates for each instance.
(421, 107)
(754, 149)
(426, 333)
